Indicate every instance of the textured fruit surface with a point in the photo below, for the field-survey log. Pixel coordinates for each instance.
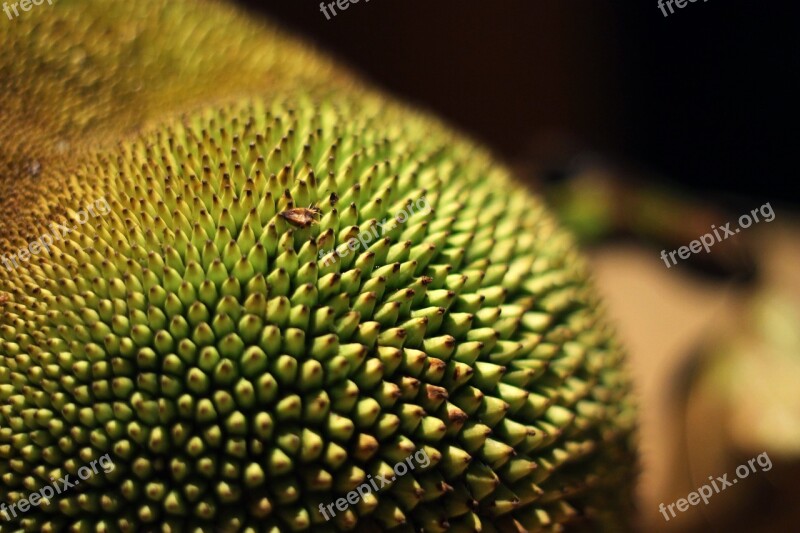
(237, 379)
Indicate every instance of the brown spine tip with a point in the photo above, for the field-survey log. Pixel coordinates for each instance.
(436, 393)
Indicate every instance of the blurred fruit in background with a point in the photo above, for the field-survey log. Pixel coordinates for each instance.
(714, 343)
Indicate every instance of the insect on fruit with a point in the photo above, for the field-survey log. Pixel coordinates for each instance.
(301, 217)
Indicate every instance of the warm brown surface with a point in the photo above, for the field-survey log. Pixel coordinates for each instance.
(673, 324)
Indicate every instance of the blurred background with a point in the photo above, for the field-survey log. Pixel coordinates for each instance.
(641, 131)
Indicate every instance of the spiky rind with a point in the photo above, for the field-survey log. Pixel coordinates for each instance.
(237, 379)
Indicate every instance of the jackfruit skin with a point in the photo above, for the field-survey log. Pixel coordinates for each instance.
(236, 379)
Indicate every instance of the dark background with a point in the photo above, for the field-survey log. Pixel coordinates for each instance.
(706, 98)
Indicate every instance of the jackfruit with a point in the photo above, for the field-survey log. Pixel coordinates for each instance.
(297, 285)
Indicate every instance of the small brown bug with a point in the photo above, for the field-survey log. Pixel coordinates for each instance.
(302, 217)
(4, 297)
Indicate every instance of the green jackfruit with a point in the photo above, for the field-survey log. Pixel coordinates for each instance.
(204, 334)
